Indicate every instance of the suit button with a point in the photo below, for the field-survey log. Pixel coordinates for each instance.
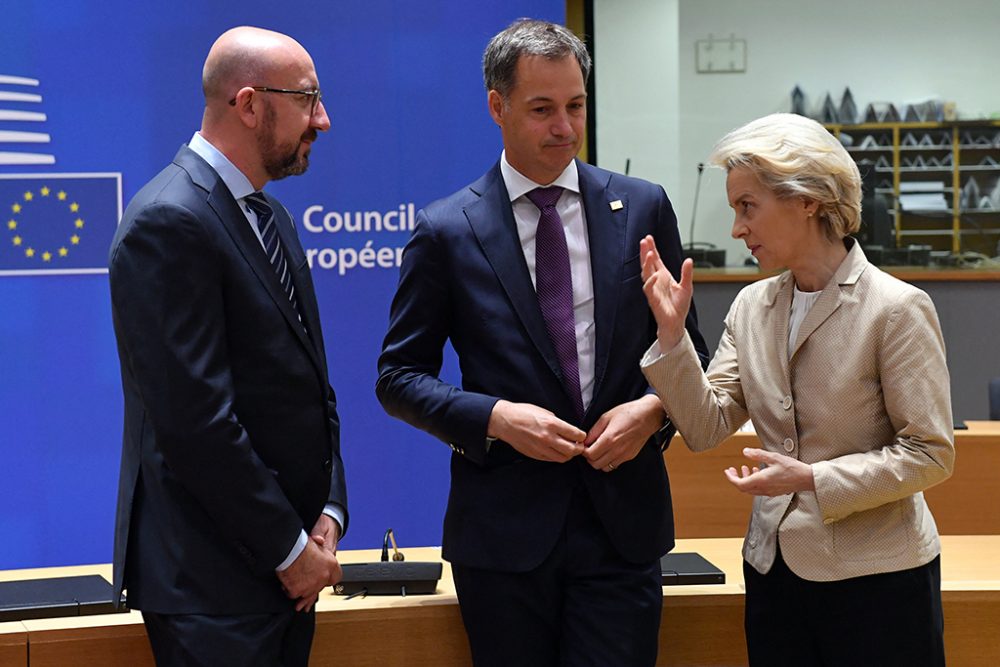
(789, 445)
(787, 403)
(328, 465)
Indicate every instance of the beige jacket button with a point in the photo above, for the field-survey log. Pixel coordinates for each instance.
(787, 403)
(789, 445)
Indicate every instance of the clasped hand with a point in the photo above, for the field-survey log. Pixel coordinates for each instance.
(616, 437)
(316, 567)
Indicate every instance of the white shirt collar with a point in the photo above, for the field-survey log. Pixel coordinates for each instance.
(238, 184)
(519, 185)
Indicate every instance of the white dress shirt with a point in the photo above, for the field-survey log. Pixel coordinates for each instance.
(801, 303)
(570, 209)
(238, 184)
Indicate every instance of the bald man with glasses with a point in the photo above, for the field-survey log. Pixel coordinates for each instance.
(232, 496)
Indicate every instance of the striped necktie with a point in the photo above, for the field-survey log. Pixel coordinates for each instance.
(272, 245)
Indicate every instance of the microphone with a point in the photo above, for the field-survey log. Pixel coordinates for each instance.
(388, 577)
(694, 207)
(705, 255)
(397, 555)
(628, 161)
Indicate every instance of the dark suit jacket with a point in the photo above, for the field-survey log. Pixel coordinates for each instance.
(464, 278)
(231, 439)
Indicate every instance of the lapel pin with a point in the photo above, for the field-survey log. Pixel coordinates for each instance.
(617, 205)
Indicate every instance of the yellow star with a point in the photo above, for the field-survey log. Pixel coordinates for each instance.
(75, 240)
(79, 223)
(28, 196)
(45, 191)
(63, 252)
(46, 256)
(12, 224)
(16, 208)
(74, 207)
(61, 195)
(30, 252)
(17, 240)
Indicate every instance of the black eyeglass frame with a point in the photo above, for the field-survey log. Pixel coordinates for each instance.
(316, 95)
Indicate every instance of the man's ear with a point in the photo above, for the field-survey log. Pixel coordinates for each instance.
(496, 104)
(247, 106)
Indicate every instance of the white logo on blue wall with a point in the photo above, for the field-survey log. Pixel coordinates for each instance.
(49, 223)
(391, 228)
(20, 125)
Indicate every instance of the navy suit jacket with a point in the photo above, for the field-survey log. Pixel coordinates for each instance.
(231, 439)
(464, 279)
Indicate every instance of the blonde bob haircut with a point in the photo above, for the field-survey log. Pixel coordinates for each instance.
(794, 156)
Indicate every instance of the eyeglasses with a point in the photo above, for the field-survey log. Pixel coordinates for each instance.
(316, 95)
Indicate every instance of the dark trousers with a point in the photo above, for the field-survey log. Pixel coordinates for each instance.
(881, 620)
(583, 606)
(250, 640)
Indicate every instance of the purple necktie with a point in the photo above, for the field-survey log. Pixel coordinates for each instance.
(554, 286)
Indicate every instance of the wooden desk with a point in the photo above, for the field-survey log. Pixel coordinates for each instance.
(428, 632)
(707, 505)
(13, 644)
(702, 625)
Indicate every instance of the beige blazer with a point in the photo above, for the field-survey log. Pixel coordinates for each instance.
(864, 399)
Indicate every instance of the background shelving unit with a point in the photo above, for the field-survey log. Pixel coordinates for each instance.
(962, 156)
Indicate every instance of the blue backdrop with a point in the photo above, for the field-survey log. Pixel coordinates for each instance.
(113, 88)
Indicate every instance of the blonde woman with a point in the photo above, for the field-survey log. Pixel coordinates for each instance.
(841, 369)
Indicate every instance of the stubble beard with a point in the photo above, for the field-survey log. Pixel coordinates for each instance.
(282, 160)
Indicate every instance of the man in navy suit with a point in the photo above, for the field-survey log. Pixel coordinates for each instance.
(231, 498)
(559, 507)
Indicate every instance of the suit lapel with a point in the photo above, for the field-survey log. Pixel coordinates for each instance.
(780, 312)
(606, 236)
(492, 220)
(826, 304)
(304, 291)
(234, 221)
(829, 300)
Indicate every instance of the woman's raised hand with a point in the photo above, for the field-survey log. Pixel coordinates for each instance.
(668, 299)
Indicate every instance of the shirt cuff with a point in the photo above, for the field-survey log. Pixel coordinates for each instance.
(335, 512)
(655, 354)
(300, 546)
